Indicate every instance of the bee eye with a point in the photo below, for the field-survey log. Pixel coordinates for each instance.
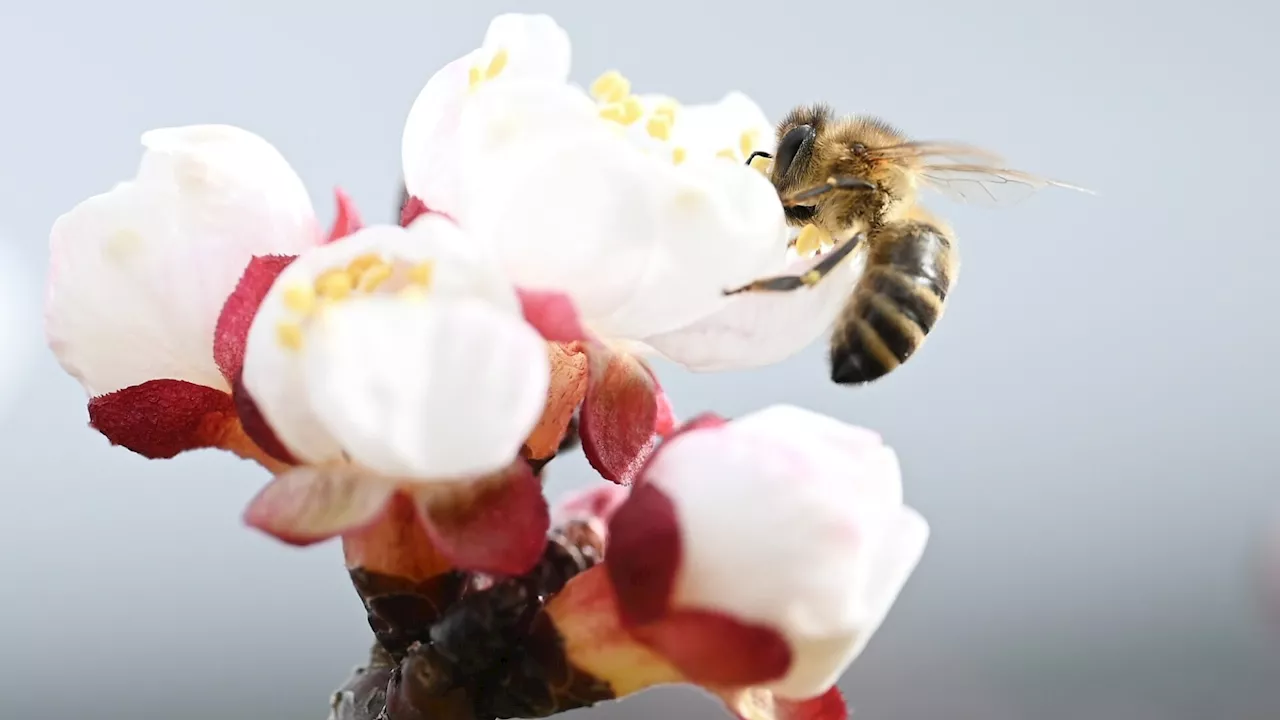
(790, 145)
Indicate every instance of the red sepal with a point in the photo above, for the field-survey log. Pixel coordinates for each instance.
(232, 330)
(411, 210)
(161, 418)
(716, 650)
(619, 414)
(395, 544)
(255, 425)
(497, 525)
(347, 220)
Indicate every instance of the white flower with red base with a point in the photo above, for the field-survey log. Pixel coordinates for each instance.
(406, 384)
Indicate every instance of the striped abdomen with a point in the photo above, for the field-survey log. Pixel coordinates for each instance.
(902, 292)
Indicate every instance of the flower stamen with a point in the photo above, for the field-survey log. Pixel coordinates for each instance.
(476, 76)
(811, 239)
(659, 127)
(611, 87)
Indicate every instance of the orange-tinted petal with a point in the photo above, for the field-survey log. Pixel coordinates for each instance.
(395, 544)
(309, 504)
(496, 525)
(565, 393)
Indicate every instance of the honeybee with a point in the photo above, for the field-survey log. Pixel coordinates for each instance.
(855, 179)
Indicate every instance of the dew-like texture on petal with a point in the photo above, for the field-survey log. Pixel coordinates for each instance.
(791, 521)
(568, 203)
(536, 48)
(309, 504)
(161, 418)
(274, 374)
(431, 389)
(757, 329)
(138, 275)
(494, 525)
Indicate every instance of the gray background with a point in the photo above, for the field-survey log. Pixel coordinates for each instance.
(1091, 431)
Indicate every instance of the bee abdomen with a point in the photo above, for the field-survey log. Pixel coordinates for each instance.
(895, 305)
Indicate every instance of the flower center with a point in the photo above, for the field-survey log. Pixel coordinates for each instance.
(612, 91)
(478, 75)
(368, 274)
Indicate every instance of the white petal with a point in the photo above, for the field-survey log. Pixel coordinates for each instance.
(536, 45)
(712, 128)
(790, 533)
(274, 374)
(427, 388)
(428, 151)
(757, 329)
(568, 203)
(139, 274)
(537, 48)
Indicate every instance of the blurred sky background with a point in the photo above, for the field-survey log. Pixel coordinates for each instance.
(1091, 431)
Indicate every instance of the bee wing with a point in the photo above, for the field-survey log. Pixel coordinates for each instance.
(945, 149)
(984, 185)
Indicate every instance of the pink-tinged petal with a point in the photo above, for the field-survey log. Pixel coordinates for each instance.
(552, 314)
(161, 418)
(564, 394)
(348, 218)
(232, 329)
(598, 502)
(709, 648)
(760, 704)
(666, 420)
(309, 504)
(618, 415)
(256, 428)
(496, 525)
(412, 209)
(395, 544)
(715, 650)
(644, 555)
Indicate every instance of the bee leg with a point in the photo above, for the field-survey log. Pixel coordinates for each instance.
(787, 283)
(838, 182)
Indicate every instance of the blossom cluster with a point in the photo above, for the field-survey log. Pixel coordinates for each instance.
(405, 384)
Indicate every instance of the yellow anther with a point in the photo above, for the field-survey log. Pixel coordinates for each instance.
(667, 108)
(289, 335)
(761, 164)
(356, 267)
(422, 273)
(335, 285)
(747, 141)
(659, 127)
(728, 154)
(634, 110)
(373, 276)
(611, 87)
(811, 278)
(496, 65)
(678, 155)
(473, 78)
(613, 112)
(809, 240)
(300, 298)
